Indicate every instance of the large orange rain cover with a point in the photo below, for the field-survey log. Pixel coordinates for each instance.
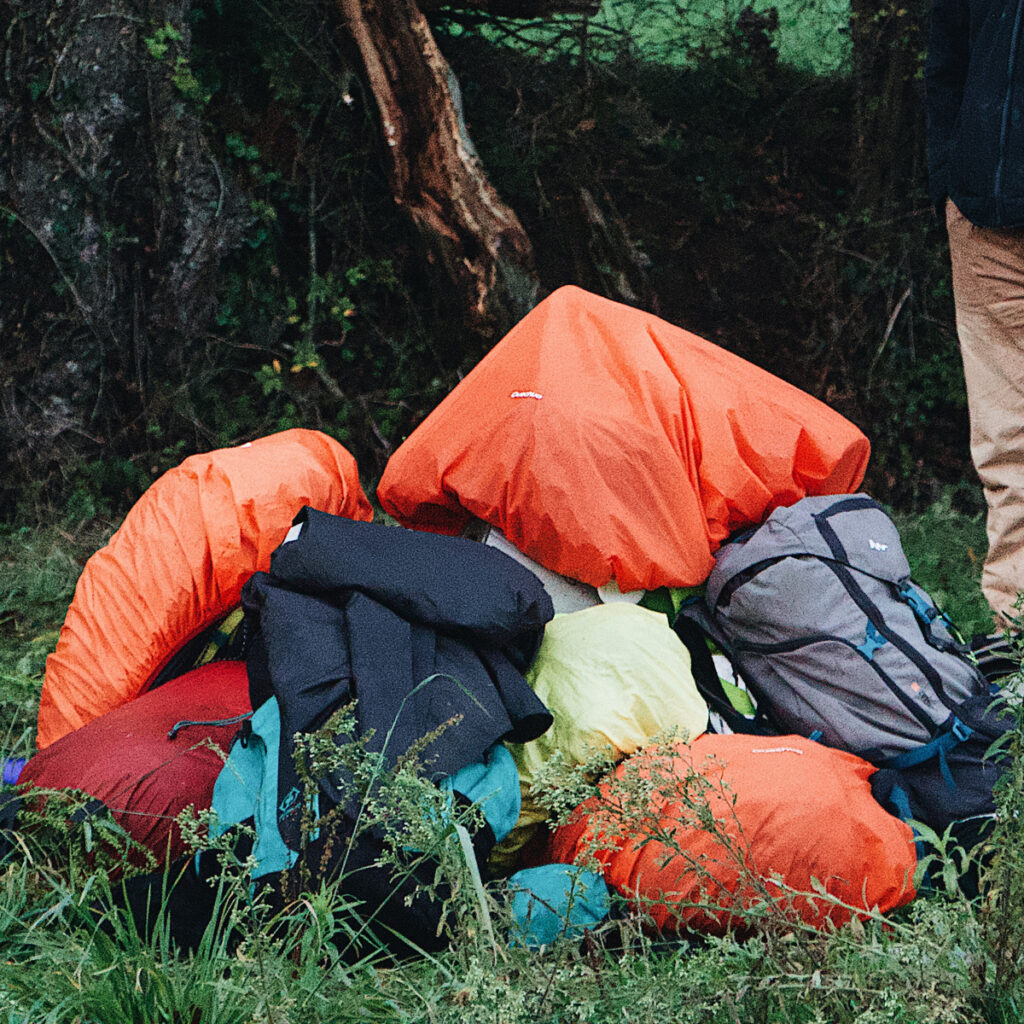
(735, 824)
(607, 443)
(178, 563)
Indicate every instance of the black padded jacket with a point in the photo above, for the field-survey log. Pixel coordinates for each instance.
(974, 78)
(428, 633)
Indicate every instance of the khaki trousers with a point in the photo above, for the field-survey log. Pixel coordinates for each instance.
(988, 289)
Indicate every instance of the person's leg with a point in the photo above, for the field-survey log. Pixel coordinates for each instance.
(988, 288)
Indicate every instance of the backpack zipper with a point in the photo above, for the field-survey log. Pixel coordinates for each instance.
(189, 723)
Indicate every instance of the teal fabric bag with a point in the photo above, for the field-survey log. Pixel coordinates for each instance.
(555, 901)
(494, 784)
(247, 788)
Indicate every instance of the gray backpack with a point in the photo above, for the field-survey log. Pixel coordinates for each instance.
(817, 612)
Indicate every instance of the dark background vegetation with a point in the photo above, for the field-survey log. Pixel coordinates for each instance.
(199, 243)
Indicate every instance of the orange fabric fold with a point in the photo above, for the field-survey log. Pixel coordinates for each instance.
(606, 443)
(178, 562)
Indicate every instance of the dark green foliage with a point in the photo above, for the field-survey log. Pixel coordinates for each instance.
(946, 545)
(224, 258)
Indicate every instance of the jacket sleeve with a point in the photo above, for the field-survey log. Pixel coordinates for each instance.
(945, 73)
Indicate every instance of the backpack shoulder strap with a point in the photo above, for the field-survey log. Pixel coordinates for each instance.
(693, 626)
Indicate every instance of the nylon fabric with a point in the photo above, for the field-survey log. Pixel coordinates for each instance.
(552, 902)
(606, 443)
(125, 759)
(612, 676)
(801, 814)
(493, 783)
(246, 788)
(178, 563)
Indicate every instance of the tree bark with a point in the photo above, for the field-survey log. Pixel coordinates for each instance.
(106, 166)
(470, 234)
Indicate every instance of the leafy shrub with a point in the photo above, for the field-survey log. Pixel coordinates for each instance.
(946, 546)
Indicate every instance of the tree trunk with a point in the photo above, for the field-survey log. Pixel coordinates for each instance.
(104, 164)
(473, 238)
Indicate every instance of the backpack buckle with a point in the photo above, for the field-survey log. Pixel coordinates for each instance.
(961, 731)
(923, 609)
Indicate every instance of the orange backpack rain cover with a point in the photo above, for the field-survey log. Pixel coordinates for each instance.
(800, 816)
(178, 562)
(606, 443)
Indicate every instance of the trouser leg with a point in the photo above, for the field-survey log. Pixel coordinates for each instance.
(988, 288)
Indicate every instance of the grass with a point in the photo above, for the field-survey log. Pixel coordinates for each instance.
(58, 966)
(67, 956)
(38, 572)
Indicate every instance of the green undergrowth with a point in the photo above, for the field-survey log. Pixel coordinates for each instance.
(38, 572)
(67, 955)
(914, 971)
(946, 545)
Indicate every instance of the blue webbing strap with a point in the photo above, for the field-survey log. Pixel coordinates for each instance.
(900, 800)
(938, 746)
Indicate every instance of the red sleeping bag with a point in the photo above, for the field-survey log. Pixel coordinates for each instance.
(800, 816)
(125, 758)
(178, 562)
(606, 443)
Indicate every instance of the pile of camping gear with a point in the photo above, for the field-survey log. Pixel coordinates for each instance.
(610, 531)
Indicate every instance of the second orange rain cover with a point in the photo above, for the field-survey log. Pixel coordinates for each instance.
(178, 562)
(716, 834)
(606, 443)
